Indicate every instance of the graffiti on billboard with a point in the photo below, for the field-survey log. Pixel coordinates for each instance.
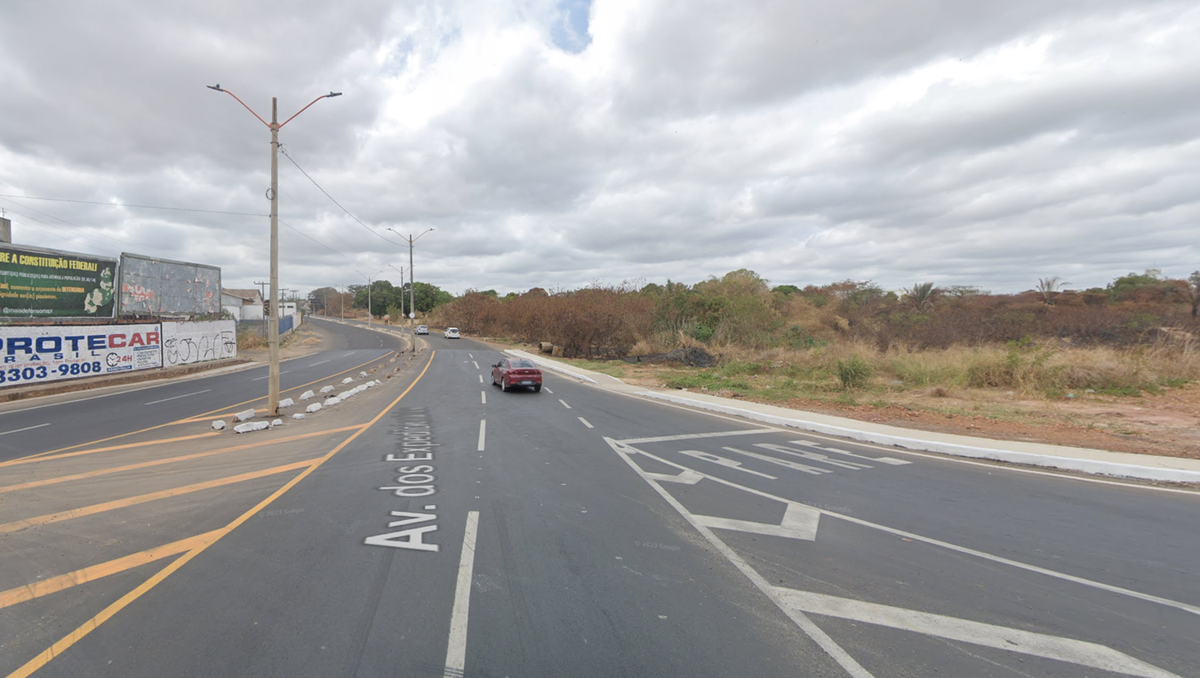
(152, 287)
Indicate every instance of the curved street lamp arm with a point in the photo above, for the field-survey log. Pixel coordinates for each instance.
(243, 103)
(323, 96)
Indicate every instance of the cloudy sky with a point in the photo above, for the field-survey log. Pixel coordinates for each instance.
(560, 143)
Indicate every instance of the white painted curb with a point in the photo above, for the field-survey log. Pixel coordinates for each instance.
(1092, 466)
(552, 365)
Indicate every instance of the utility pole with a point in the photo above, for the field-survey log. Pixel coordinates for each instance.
(401, 272)
(273, 308)
(412, 284)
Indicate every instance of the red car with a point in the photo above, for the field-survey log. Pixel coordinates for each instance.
(514, 372)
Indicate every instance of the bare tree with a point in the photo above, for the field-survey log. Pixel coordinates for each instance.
(1049, 287)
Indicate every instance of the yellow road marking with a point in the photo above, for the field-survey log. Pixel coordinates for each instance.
(45, 587)
(188, 420)
(152, 496)
(128, 446)
(130, 467)
(107, 613)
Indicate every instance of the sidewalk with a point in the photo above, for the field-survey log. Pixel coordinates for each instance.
(1096, 462)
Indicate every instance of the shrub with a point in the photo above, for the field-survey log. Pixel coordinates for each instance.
(854, 372)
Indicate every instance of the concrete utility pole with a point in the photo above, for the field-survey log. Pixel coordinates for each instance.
(368, 277)
(273, 308)
(401, 272)
(412, 284)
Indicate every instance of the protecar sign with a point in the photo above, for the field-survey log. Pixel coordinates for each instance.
(34, 355)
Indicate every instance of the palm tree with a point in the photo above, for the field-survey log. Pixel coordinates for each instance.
(922, 295)
(1049, 287)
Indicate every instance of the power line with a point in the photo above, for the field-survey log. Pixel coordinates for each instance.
(314, 182)
(107, 236)
(340, 254)
(124, 204)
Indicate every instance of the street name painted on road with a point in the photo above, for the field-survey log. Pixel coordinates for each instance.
(412, 480)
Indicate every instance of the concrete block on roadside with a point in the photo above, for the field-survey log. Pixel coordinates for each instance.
(276, 422)
(546, 347)
(307, 394)
(315, 407)
(326, 389)
(287, 402)
(348, 380)
(362, 374)
(300, 415)
(244, 415)
(251, 426)
(333, 401)
(219, 425)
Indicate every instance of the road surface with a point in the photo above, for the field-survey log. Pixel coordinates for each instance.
(436, 526)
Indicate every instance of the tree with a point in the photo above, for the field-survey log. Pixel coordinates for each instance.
(323, 298)
(1139, 287)
(1193, 293)
(922, 295)
(1048, 288)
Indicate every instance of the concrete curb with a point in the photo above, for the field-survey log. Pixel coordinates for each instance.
(1090, 466)
(553, 366)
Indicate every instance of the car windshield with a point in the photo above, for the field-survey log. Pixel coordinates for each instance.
(522, 363)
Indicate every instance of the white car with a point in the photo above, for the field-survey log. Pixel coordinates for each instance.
(452, 333)
(422, 329)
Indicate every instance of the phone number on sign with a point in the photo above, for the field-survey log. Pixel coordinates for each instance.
(16, 374)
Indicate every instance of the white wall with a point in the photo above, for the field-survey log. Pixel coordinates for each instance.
(193, 342)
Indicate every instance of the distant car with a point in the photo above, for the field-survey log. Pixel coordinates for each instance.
(514, 372)
(422, 329)
(452, 333)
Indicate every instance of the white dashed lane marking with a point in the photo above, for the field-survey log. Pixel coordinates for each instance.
(585, 423)
(564, 403)
(27, 428)
(483, 397)
(482, 433)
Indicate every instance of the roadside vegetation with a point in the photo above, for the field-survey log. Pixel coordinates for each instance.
(852, 341)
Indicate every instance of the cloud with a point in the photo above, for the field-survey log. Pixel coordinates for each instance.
(559, 143)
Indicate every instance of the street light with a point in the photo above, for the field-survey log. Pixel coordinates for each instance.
(273, 322)
(412, 283)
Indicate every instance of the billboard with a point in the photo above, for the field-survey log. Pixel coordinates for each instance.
(41, 283)
(37, 354)
(186, 343)
(153, 287)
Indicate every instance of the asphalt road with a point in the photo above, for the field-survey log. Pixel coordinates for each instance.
(35, 426)
(458, 530)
